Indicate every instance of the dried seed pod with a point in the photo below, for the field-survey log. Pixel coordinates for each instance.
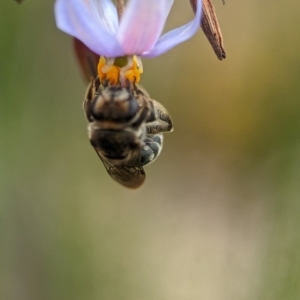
(211, 27)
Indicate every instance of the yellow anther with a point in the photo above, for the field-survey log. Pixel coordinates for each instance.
(101, 64)
(112, 74)
(111, 70)
(139, 63)
(134, 73)
(108, 72)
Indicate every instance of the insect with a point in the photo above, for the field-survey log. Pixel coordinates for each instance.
(125, 128)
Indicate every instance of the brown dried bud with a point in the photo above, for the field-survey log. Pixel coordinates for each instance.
(210, 27)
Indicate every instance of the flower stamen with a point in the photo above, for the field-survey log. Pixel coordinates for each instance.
(107, 71)
(120, 69)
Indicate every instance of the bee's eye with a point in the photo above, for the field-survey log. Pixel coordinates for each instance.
(133, 107)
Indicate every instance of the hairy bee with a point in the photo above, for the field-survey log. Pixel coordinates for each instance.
(125, 128)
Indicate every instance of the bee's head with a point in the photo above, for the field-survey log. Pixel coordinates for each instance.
(115, 104)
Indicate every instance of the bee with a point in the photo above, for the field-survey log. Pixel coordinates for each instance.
(125, 128)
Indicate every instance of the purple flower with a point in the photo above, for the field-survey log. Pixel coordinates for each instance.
(95, 23)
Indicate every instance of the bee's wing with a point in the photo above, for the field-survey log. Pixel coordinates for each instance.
(129, 172)
(87, 59)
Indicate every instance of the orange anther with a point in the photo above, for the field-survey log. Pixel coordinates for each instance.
(107, 70)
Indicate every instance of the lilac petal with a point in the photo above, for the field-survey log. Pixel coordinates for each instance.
(176, 36)
(106, 13)
(75, 17)
(142, 24)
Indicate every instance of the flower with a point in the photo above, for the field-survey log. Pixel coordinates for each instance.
(95, 23)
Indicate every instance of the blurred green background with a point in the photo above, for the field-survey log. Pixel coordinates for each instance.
(218, 217)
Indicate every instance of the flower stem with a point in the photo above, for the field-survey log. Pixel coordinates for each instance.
(120, 8)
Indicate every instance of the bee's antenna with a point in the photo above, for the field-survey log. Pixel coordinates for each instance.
(137, 89)
(127, 85)
(106, 83)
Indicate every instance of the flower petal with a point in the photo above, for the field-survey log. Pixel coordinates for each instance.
(106, 12)
(142, 24)
(76, 17)
(176, 36)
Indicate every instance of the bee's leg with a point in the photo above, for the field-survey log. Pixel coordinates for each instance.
(88, 99)
(151, 148)
(89, 96)
(163, 122)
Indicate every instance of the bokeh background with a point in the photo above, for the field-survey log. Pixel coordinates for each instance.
(218, 217)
